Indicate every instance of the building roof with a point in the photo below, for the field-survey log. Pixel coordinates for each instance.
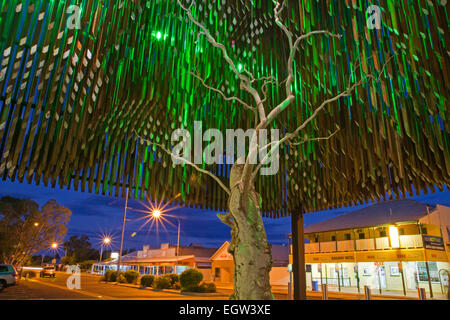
(378, 214)
(280, 255)
(193, 251)
(197, 251)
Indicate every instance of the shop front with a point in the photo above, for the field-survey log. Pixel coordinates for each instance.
(390, 271)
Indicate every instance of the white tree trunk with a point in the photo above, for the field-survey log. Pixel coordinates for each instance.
(249, 247)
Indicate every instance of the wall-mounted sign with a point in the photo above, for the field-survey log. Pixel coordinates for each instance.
(434, 243)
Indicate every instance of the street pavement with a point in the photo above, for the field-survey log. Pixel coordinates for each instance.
(93, 289)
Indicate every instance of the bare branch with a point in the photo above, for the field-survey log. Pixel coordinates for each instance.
(293, 47)
(186, 161)
(222, 94)
(293, 134)
(255, 172)
(226, 218)
(245, 81)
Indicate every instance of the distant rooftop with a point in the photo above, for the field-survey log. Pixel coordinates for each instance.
(378, 214)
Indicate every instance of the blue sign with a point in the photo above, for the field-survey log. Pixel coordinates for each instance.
(433, 243)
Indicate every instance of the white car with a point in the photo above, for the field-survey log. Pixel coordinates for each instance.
(8, 276)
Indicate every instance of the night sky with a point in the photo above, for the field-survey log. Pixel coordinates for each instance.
(94, 214)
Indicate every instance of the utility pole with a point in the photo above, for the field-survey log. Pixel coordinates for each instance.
(178, 240)
(298, 255)
(178, 246)
(123, 231)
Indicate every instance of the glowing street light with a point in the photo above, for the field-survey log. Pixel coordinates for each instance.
(156, 214)
(36, 224)
(106, 241)
(54, 245)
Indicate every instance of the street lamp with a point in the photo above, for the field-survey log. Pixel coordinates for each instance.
(156, 213)
(105, 242)
(54, 247)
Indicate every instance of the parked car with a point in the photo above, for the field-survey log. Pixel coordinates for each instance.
(48, 271)
(8, 276)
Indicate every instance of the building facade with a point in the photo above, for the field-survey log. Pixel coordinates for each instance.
(396, 246)
(222, 266)
(163, 260)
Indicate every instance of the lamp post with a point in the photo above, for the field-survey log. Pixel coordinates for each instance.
(54, 248)
(106, 241)
(123, 230)
(178, 245)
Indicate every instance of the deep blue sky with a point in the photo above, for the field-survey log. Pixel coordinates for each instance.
(95, 214)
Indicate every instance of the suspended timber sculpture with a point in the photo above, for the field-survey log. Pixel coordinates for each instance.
(85, 85)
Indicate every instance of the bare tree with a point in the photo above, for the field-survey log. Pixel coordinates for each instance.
(249, 246)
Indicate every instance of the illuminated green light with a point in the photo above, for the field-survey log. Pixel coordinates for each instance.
(158, 35)
(240, 66)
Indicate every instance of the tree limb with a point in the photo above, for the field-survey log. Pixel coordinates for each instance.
(245, 80)
(222, 94)
(187, 162)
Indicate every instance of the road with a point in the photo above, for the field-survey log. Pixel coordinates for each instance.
(91, 288)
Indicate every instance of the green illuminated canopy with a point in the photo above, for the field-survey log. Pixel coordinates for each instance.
(72, 100)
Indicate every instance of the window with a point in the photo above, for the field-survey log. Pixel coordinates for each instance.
(217, 272)
(382, 233)
(362, 235)
(333, 238)
(347, 236)
(316, 238)
(401, 231)
(4, 269)
(395, 271)
(422, 268)
(424, 230)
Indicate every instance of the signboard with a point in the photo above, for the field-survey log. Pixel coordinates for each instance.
(377, 256)
(433, 243)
